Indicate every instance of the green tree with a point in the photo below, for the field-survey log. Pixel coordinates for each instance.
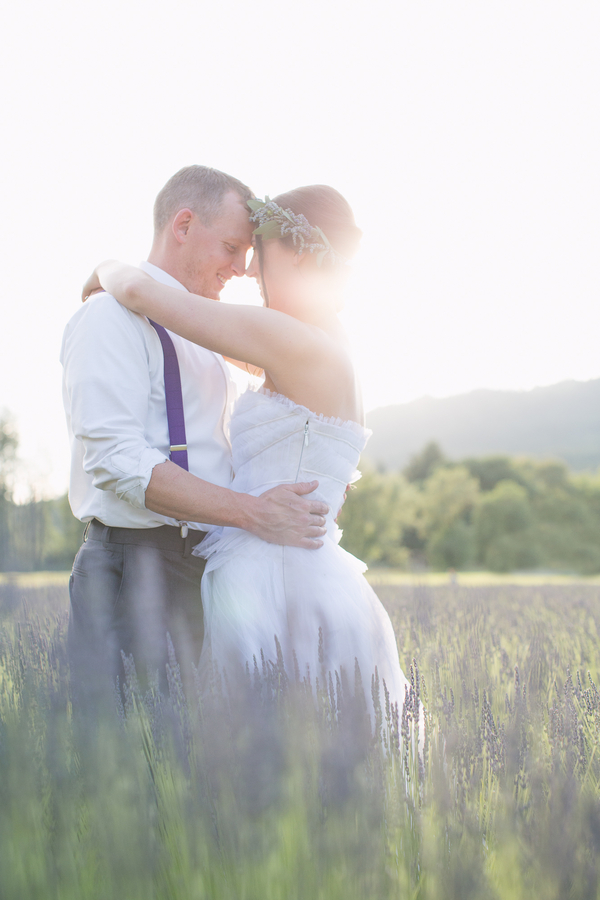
(452, 548)
(8, 447)
(374, 517)
(540, 475)
(38, 534)
(447, 495)
(489, 470)
(44, 535)
(504, 532)
(64, 534)
(423, 464)
(28, 536)
(567, 512)
(587, 485)
(444, 509)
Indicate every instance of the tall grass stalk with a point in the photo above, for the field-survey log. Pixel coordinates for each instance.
(484, 785)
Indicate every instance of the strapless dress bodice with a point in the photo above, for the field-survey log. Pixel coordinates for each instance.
(275, 441)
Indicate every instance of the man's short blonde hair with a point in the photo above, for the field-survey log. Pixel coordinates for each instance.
(197, 188)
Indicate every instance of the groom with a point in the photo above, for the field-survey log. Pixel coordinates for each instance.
(134, 578)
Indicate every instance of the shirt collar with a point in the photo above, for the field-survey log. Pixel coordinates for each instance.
(161, 275)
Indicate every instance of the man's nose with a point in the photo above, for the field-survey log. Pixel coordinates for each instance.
(238, 263)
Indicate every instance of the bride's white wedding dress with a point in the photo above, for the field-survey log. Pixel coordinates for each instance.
(316, 602)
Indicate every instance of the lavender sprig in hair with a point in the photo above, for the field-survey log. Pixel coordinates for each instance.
(275, 222)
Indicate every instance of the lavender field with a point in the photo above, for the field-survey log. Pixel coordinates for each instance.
(281, 797)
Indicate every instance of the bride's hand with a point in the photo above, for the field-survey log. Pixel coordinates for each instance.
(91, 286)
(114, 277)
(97, 280)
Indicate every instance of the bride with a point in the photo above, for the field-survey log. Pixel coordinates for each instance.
(315, 608)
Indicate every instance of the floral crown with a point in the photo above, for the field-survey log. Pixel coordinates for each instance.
(275, 222)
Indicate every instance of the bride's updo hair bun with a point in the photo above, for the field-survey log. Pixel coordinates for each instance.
(325, 208)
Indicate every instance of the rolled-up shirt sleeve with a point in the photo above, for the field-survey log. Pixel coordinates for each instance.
(107, 387)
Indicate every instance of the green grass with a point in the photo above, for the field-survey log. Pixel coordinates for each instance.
(378, 576)
(34, 579)
(276, 796)
(375, 575)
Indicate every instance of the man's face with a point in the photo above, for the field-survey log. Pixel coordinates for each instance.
(216, 252)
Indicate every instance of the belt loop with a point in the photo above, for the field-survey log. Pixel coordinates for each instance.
(187, 544)
(85, 531)
(105, 537)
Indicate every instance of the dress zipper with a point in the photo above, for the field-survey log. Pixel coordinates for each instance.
(304, 444)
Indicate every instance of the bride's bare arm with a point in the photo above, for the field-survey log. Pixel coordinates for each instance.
(257, 371)
(262, 337)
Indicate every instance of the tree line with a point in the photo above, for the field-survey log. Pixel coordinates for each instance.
(39, 534)
(498, 513)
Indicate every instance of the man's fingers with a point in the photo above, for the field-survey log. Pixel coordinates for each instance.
(298, 523)
(315, 531)
(317, 507)
(307, 544)
(304, 487)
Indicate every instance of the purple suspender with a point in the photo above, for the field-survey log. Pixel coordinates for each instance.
(175, 415)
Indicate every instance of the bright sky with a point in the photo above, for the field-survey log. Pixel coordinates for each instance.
(465, 135)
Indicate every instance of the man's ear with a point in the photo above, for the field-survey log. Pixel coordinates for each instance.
(181, 225)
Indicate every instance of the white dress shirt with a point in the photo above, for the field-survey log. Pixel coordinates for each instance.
(114, 397)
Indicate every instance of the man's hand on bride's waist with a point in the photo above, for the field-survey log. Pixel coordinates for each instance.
(283, 515)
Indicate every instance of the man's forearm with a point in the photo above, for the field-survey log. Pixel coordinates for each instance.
(282, 515)
(180, 495)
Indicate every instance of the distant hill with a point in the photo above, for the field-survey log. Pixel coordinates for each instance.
(562, 421)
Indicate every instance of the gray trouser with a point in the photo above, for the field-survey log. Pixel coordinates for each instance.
(126, 598)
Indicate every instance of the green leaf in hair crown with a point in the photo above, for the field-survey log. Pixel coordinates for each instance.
(275, 222)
